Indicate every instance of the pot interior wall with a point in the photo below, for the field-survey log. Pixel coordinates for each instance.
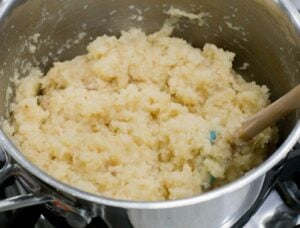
(257, 31)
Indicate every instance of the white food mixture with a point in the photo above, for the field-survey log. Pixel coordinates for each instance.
(139, 117)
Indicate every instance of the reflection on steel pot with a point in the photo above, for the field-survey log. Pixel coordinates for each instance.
(268, 39)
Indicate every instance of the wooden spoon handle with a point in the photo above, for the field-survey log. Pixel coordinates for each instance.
(269, 115)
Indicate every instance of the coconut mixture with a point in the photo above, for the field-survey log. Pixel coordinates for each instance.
(139, 117)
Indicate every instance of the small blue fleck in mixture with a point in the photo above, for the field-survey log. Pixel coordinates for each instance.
(212, 137)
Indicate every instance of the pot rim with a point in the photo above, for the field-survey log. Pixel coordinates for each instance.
(253, 174)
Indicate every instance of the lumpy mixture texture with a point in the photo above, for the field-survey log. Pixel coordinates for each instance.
(139, 117)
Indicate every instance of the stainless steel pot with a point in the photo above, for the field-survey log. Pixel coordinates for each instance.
(263, 33)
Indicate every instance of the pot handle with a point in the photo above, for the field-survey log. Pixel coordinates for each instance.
(8, 170)
(76, 216)
(21, 201)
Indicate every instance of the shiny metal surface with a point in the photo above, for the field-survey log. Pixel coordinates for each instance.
(28, 199)
(274, 213)
(230, 208)
(22, 201)
(263, 33)
(296, 3)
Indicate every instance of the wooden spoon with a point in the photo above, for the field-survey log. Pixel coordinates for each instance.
(269, 115)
